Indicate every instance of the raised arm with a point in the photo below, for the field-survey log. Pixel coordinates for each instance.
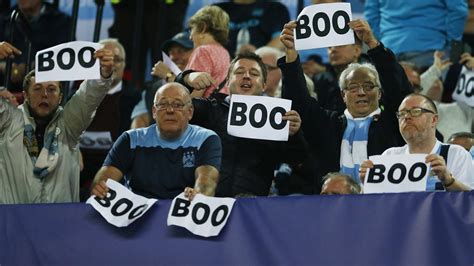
(78, 112)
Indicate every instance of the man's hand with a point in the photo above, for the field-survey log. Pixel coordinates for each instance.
(100, 189)
(364, 168)
(199, 80)
(438, 167)
(295, 121)
(467, 60)
(438, 61)
(288, 40)
(190, 193)
(106, 58)
(160, 70)
(364, 32)
(8, 96)
(8, 50)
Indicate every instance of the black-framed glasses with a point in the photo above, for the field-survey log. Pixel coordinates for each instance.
(414, 112)
(176, 106)
(355, 87)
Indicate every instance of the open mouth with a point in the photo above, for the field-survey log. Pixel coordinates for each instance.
(44, 105)
(362, 102)
(246, 86)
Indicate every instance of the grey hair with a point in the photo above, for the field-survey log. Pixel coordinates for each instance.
(354, 187)
(115, 42)
(269, 50)
(354, 66)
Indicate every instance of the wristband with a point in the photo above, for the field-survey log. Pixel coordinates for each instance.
(450, 183)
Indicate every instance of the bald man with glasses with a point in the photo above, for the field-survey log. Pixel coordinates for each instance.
(451, 167)
(168, 157)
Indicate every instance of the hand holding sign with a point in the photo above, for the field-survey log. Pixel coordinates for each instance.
(396, 173)
(204, 216)
(106, 58)
(467, 60)
(261, 117)
(324, 25)
(438, 166)
(119, 206)
(364, 32)
(295, 121)
(287, 38)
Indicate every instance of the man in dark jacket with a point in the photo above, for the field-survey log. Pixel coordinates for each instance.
(342, 142)
(247, 164)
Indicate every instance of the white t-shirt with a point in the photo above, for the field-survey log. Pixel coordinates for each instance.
(459, 161)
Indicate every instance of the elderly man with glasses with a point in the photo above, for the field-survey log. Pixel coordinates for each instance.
(168, 157)
(343, 142)
(451, 167)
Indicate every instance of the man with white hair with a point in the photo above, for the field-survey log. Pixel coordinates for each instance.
(342, 142)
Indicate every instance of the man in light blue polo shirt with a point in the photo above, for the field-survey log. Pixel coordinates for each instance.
(168, 157)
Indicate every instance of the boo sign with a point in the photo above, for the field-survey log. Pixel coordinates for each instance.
(204, 216)
(68, 61)
(324, 25)
(258, 117)
(397, 173)
(464, 91)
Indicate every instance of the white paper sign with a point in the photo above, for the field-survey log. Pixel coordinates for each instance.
(101, 140)
(397, 173)
(121, 207)
(258, 117)
(324, 25)
(68, 61)
(464, 91)
(203, 216)
(169, 63)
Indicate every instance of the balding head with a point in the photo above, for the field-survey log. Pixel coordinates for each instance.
(172, 110)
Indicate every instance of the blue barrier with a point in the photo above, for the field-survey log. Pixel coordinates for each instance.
(386, 229)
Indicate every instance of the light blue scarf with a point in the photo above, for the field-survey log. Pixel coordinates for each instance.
(354, 143)
(46, 160)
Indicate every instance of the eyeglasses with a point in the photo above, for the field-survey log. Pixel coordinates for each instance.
(414, 112)
(176, 106)
(355, 87)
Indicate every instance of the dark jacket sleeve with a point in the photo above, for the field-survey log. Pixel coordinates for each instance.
(394, 81)
(294, 88)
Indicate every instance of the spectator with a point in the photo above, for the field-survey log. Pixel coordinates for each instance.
(342, 142)
(269, 57)
(450, 164)
(39, 158)
(179, 49)
(463, 139)
(247, 164)
(209, 32)
(326, 83)
(111, 119)
(162, 160)
(339, 184)
(49, 27)
(254, 23)
(414, 29)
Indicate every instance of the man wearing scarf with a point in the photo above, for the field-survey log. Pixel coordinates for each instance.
(39, 155)
(342, 142)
